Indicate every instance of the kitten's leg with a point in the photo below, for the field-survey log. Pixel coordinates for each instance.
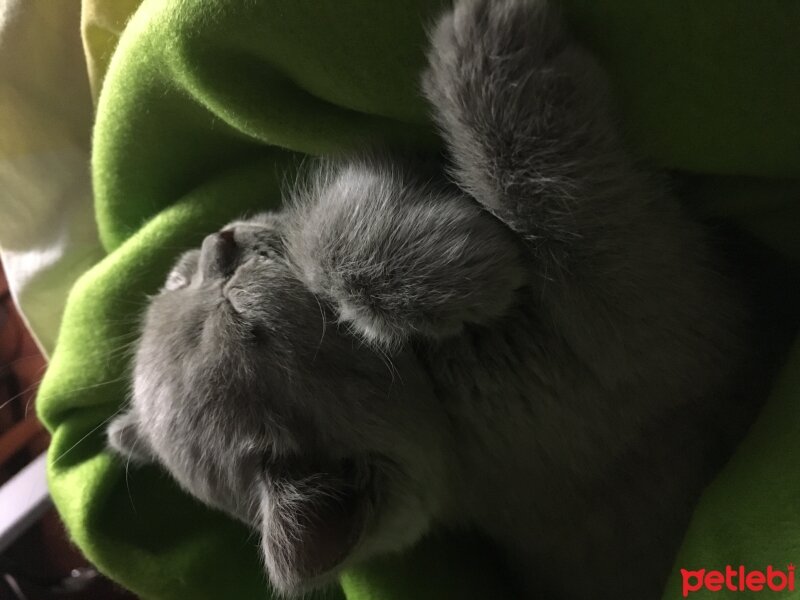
(525, 113)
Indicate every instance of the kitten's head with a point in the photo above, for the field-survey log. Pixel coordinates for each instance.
(257, 403)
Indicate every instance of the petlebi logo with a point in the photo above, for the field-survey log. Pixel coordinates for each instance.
(740, 579)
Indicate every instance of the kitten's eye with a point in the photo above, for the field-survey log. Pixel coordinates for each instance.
(267, 253)
(176, 281)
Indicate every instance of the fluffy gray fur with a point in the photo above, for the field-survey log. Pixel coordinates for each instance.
(533, 351)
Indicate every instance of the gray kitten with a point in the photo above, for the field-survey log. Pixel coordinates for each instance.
(535, 351)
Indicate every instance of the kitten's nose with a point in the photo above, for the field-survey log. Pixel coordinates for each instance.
(218, 253)
(227, 236)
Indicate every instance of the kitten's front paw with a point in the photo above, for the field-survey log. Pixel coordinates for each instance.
(479, 37)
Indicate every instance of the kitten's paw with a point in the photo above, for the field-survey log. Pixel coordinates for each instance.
(477, 37)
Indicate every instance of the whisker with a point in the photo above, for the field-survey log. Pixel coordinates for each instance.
(324, 327)
(93, 430)
(19, 395)
(127, 481)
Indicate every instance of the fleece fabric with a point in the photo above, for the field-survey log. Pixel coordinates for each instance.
(208, 105)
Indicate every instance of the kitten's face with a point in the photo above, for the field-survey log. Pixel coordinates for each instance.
(250, 395)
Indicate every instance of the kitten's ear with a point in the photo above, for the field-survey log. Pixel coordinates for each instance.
(309, 526)
(125, 439)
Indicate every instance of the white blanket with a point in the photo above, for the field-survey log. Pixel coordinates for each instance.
(48, 235)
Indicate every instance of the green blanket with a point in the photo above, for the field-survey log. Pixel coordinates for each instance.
(207, 105)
